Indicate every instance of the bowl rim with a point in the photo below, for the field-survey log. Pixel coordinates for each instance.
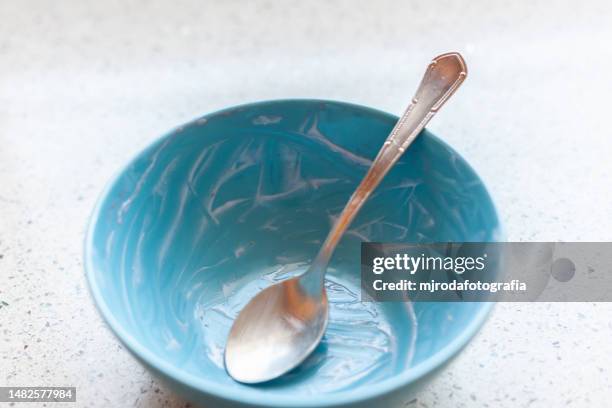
(253, 395)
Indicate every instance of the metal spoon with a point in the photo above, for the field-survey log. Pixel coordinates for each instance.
(284, 323)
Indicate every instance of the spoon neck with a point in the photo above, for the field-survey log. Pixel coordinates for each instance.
(313, 280)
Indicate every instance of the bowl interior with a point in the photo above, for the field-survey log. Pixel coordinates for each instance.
(237, 200)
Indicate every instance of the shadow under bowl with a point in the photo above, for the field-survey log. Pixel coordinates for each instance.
(239, 199)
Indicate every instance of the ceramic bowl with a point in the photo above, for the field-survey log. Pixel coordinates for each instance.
(236, 200)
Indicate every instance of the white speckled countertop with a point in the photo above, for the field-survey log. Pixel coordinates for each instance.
(85, 85)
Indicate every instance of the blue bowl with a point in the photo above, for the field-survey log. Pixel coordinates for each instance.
(236, 200)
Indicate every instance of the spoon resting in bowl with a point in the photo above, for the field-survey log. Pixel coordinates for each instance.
(285, 322)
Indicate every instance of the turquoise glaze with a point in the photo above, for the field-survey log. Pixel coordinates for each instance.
(234, 201)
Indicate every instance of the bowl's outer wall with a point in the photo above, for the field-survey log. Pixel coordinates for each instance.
(150, 208)
(395, 398)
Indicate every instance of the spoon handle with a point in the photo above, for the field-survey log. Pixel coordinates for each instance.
(444, 75)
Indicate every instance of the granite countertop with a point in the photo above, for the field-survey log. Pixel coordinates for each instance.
(85, 85)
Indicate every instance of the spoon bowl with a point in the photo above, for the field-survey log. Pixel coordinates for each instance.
(275, 332)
